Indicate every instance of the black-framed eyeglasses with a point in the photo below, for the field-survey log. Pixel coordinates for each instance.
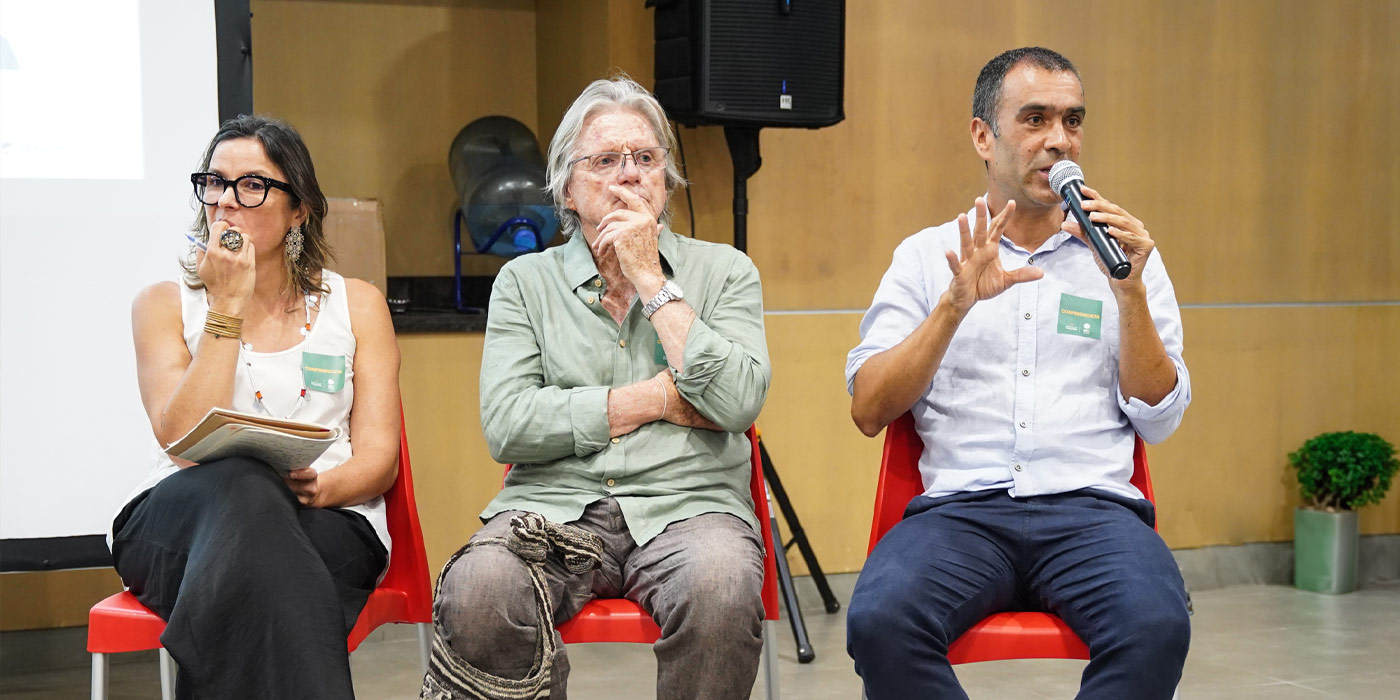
(249, 190)
(610, 162)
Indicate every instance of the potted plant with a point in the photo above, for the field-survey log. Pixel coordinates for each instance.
(1338, 472)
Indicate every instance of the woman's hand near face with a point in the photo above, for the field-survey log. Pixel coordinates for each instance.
(228, 275)
(630, 233)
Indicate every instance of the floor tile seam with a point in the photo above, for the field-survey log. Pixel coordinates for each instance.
(1362, 676)
(1265, 682)
(1296, 684)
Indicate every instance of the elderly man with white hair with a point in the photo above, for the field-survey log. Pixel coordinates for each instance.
(619, 373)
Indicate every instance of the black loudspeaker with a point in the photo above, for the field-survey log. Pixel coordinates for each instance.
(759, 63)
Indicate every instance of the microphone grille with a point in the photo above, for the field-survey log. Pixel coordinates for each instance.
(1062, 172)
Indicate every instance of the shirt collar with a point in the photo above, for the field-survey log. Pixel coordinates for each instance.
(578, 261)
(579, 266)
(1050, 244)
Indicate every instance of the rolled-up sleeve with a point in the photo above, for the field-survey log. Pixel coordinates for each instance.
(727, 371)
(901, 303)
(523, 419)
(1157, 423)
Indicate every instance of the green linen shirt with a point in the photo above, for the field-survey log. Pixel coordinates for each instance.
(552, 352)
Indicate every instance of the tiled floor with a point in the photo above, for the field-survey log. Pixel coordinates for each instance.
(1248, 642)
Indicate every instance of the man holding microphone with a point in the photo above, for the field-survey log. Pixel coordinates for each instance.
(1028, 370)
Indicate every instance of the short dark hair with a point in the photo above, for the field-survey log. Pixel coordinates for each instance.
(285, 148)
(986, 96)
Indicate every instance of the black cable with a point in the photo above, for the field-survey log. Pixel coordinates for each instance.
(689, 203)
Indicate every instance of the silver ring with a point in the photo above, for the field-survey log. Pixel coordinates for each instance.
(231, 239)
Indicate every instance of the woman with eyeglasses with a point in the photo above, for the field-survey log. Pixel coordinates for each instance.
(619, 373)
(261, 574)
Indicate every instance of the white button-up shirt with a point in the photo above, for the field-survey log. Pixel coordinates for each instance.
(1026, 398)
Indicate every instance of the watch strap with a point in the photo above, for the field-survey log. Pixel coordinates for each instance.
(670, 291)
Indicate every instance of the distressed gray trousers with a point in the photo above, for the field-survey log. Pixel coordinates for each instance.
(701, 580)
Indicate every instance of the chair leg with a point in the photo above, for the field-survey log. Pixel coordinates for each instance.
(99, 677)
(770, 658)
(425, 644)
(167, 675)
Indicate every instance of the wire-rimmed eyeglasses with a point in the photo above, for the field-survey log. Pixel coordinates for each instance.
(610, 162)
(248, 190)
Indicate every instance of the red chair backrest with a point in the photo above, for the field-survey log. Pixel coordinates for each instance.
(408, 561)
(759, 492)
(900, 480)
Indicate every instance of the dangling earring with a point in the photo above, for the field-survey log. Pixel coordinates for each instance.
(293, 244)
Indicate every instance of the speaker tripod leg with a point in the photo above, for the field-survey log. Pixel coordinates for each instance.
(805, 654)
(770, 473)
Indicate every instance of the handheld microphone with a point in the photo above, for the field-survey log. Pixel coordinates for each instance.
(1065, 179)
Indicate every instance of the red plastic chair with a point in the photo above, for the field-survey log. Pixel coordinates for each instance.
(1009, 635)
(120, 623)
(621, 620)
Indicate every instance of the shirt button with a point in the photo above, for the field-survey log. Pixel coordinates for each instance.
(1025, 373)
(1017, 467)
(611, 482)
(1023, 424)
(1030, 260)
(597, 283)
(1028, 315)
(622, 343)
(616, 440)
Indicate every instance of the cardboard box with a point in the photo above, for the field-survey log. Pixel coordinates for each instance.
(355, 231)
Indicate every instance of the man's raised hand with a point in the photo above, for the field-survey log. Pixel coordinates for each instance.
(977, 273)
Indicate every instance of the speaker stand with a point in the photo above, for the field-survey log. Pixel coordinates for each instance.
(743, 151)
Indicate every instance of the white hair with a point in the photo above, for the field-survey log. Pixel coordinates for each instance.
(620, 92)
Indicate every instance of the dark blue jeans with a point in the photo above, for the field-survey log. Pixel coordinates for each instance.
(1091, 558)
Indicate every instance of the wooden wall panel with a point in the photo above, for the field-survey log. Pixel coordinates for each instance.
(827, 466)
(1254, 137)
(43, 599)
(453, 474)
(1240, 95)
(1259, 114)
(379, 89)
(572, 48)
(1251, 136)
(1264, 381)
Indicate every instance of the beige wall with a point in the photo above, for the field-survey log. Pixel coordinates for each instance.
(1255, 138)
(1250, 136)
(1234, 131)
(1261, 388)
(379, 89)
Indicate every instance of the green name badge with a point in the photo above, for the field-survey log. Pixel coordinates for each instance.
(323, 372)
(659, 353)
(1079, 316)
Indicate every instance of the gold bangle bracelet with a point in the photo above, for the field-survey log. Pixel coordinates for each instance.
(223, 325)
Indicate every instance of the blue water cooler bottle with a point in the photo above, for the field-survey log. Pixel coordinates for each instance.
(498, 171)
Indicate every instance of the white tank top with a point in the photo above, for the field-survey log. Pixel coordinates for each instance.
(278, 375)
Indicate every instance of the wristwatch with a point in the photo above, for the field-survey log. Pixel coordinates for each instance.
(670, 291)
